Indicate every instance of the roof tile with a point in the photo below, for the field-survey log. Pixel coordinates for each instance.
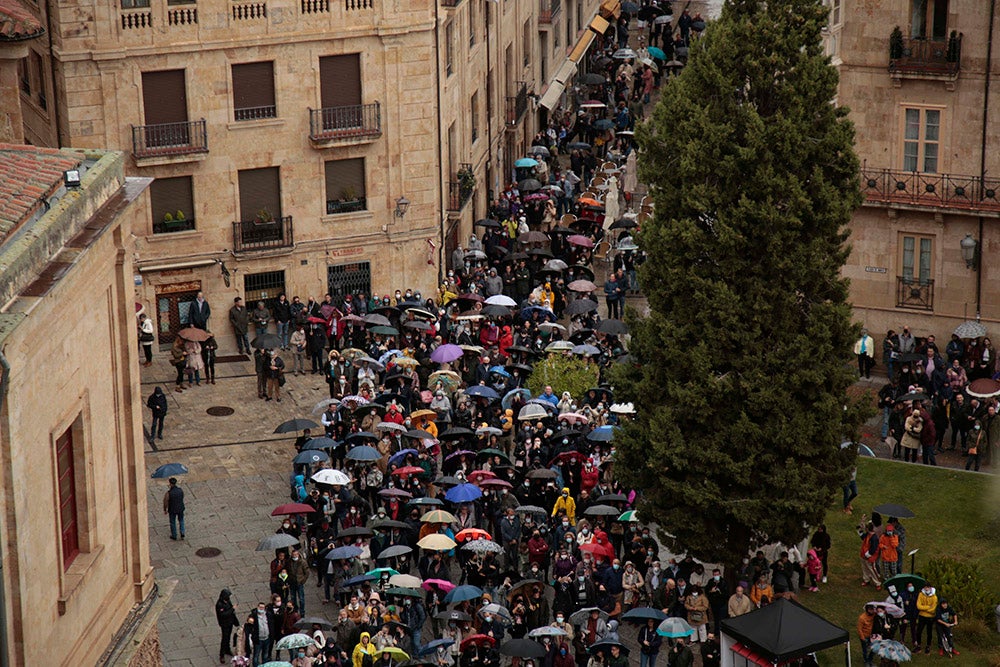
(28, 175)
(17, 23)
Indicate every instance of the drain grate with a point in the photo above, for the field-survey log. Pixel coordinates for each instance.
(208, 552)
(220, 411)
(230, 358)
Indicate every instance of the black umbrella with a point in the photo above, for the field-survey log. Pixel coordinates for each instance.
(601, 510)
(418, 325)
(362, 436)
(394, 551)
(456, 433)
(606, 646)
(910, 357)
(266, 341)
(489, 223)
(310, 621)
(592, 79)
(494, 310)
(578, 146)
(294, 425)
(529, 185)
(541, 252)
(624, 223)
(891, 509)
(457, 616)
(912, 396)
(523, 648)
(612, 327)
(581, 306)
(643, 614)
(358, 531)
(649, 12)
(390, 523)
(613, 498)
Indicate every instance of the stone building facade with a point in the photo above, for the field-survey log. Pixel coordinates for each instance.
(926, 136)
(298, 146)
(75, 544)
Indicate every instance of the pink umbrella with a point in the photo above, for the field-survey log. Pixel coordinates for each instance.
(580, 240)
(443, 585)
(574, 418)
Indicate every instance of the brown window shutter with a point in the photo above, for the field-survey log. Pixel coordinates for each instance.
(344, 174)
(164, 98)
(340, 80)
(170, 195)
(253, 85)
(260, 189)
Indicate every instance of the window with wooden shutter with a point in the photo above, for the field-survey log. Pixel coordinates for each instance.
(164, 97)
(172, 204)
(345, 186)
(260, 195)
(253, 91)
(340, 80)
(69, 528)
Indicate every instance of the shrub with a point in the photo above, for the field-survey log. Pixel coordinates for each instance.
(963, 585)
(975, 632)
(564, 373)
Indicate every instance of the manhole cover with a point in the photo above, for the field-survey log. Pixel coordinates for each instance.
(220, 411)
(207, 552)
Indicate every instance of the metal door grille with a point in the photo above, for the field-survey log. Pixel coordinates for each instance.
(353, 278)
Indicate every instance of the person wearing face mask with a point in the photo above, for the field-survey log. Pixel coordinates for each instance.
(298, 574)
(697, 608)
(632, 586)
(888, 552)
(927, 603)
(717, 592)
(883, 627)
(866, 624)
(563, 657)
(907, 600)
(566, 504)
(414, 616)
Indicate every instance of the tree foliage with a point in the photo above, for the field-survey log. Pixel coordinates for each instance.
(564, 373)
(743, 361)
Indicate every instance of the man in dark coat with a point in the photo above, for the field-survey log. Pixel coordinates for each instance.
(225, 616)
(173, 505)
(200, 312)
(157, 402)
(240, 321)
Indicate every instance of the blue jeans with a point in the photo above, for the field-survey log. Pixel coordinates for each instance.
(886, 411)
(850, 492)
(299, 597)
(283, 333)
(866, 651)
(176, 518)
(647, 660)
(261, 652)
(261, 329)
(242, 343)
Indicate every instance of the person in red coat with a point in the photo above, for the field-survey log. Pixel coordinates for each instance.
(589, 477)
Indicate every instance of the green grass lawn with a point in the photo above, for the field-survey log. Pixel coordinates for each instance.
(958, 515)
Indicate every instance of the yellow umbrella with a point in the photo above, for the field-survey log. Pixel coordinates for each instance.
(352, 353)
(406, 362)
(429, 414)
(438, 516)
(437, 542)
(450, 380)
(395, 652)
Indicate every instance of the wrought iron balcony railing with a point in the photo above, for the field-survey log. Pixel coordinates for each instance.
(937, 191)
(169, 139)
(517, 104)
(255, 235)
(919, 56)
(914, 293)
(344, 123)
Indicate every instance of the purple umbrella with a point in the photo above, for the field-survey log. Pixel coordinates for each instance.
(446, 353)
(458, 453)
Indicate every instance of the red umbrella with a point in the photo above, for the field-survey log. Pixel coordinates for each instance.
(472, 534)
(477, 639)
(316, 320)
(471, 297)
(292, 508)
(496, 484)
(580, 240)
(408, 470)
(477, 476)
(598, 550)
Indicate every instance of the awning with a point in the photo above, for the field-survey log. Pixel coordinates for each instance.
(550, 98)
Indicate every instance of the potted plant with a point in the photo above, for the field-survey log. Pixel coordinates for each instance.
(263, 217)
(896, 44)
(466, 183)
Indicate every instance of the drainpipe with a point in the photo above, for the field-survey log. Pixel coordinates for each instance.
(982, 152)
(4, 382)
(442, 216)
(55, 86)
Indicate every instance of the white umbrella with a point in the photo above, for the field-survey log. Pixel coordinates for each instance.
(663, 18)
(532, 411)
(322, 405)
(294, 641)
(332, 477)
(405, 581)
(623, 54)
(390, 426)
(501, 300)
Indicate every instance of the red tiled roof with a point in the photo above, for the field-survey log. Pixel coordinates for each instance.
(17, 23)
(27, 176)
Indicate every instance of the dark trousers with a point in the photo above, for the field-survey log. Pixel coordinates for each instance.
(928, 455)
(156, 430)
(148, 351)
(865, 364)
(224, 644)
(955, 432)
(613, 308)
(922, 623)
(210, 371)
(180, 374)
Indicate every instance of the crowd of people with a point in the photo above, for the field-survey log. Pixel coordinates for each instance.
(930, 392)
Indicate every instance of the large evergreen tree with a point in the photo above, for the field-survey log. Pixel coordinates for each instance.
(743, 361)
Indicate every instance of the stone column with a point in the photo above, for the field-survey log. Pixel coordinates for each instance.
(11, 120)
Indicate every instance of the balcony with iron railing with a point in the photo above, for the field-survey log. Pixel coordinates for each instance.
(937, 192)
(923, 58)
(460, 190)
(256, 113)
(334, 206)
(548, 10)
(915, 293)
(517, 104)
(262, 235)
(172, 224)
(169, 139)
(350, 124)
(451, 4)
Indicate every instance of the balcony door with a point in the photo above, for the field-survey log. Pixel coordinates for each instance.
(340, 89)
(929, 19)
(164, 102)
(260, 207)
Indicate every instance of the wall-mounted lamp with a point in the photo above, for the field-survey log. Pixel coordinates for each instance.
(969, 250)
(401, 205)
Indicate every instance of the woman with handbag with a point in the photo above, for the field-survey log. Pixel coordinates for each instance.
(146, 338)
(696, 605)
(972, 455)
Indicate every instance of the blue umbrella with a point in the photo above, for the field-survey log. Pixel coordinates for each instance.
(463, 493)
(674, 627)
(389, 356)
(358, 580)
(322, 442)
(363, 453)
(344, 553)
(400, 455)
(656, 53)
(169, 470)
(482, 392)
(425, 502)
(643, 614)
(526, 162)
(307, 456)
(526, 312)
(499, 370)
(463, 593)
(602, 434)
(433, 646)
(508, 398)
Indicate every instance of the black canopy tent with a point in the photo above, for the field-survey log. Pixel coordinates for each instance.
(777, 633)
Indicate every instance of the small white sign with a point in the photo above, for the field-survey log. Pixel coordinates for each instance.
(876, 269)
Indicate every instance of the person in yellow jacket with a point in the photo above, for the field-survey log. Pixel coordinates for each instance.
(927, 602)
(425, 424)
(364, 649)
(566, 503)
